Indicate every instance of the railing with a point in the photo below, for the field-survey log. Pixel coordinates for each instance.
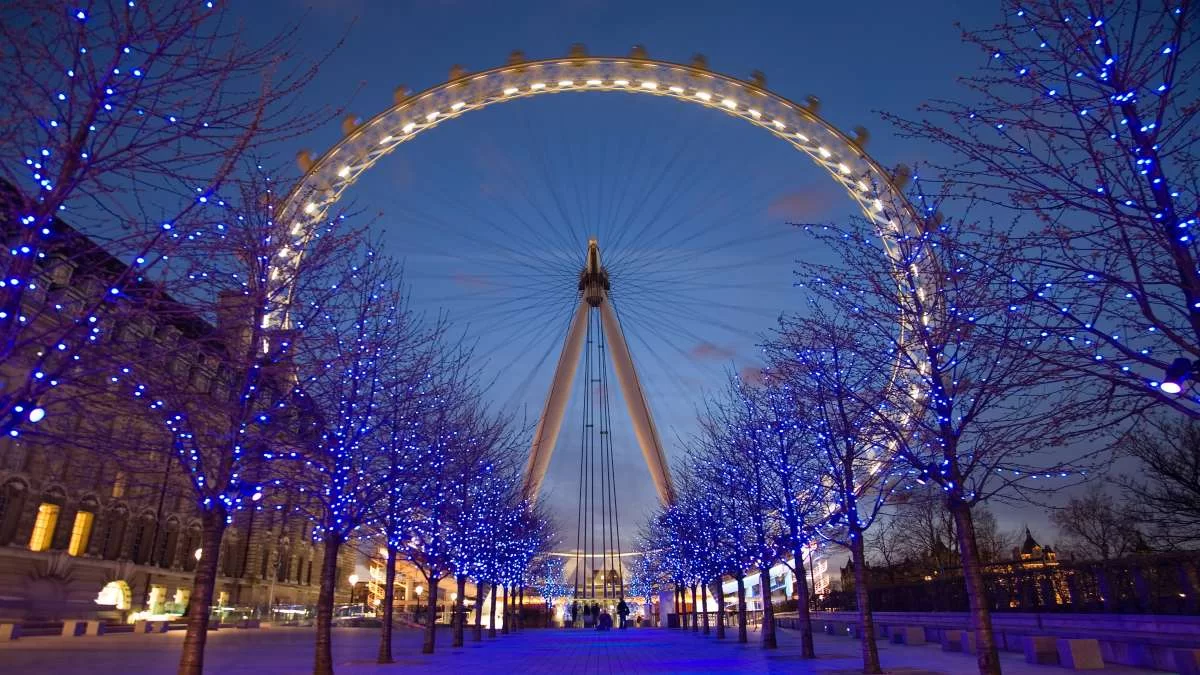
(1150, 584)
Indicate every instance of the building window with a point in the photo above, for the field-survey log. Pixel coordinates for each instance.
(81, 533)
(119, 483)
(43, 528)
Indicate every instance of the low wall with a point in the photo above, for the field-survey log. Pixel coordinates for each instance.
(1144, 641)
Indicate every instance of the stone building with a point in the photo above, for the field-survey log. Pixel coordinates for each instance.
(96, 516)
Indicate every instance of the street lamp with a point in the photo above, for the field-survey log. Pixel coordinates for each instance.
(199, 552)
(353, 579)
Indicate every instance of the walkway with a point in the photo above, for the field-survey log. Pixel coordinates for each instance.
(530, 652)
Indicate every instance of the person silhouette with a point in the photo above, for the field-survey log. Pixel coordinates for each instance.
(622, 613)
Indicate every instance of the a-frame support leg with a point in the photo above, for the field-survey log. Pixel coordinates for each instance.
(550, 423)
(635, 400)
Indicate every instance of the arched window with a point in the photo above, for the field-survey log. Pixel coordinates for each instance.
(143, 539)
(81, 528)
(168, 544)
(283, 573)
(12, 502)
(190, 546)
(46, 525)
(116, 520)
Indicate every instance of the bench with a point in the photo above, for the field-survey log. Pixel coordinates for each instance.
(74, 628)
(952, 640)
(1080, 654)
(908, 635)
(1187, 661)
(1040, 650)
(248, 623)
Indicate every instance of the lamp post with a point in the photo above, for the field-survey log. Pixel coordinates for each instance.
(353, 579)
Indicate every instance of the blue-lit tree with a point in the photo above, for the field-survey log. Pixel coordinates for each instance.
(126, 120)
(355, 356)
(549, 577)
(1083, 127)
(845, 393)
(226, 393)
(969, 412)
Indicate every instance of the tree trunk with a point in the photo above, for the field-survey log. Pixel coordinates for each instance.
(741, 585)
(460, 614)
(802, 610)
(695, 611)
(506, 612)
(679, 609)
(768, 620)
(477, 634)
(191, 661)
(517, 618)
(981, 618)
(704, 602)
(866, 621)
(389, 596)
(492, 627)
(323, 660)
(431, 615)
(720, 595)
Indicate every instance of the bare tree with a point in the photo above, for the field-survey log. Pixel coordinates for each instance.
(969, 412)
(356, 354)
(1092, 527)
(1166, 496)
(1083, 125)
(845, 396)
(225, 429)
(128, 120)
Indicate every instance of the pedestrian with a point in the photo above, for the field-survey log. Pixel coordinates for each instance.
(622, 613)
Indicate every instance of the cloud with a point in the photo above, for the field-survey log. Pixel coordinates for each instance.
(808, 202)
(751, 374)
(707, 351)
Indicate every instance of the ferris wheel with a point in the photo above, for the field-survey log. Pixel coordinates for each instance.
(584, 240)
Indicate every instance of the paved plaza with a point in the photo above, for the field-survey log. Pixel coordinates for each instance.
(530, 652)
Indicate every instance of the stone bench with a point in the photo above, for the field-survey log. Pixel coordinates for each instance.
(1187, 661)
(952, 640)
(78, 628)
(9, 631)
(1080, 654)
(908, 635)
(1041, 650)
(248, 623)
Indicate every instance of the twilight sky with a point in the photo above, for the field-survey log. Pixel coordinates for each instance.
(491, 213)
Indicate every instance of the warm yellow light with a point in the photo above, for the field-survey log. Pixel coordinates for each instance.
(621, 83)
(594, 83)
(878, 205)
(779, 125)
(343, 172)
(537, 85)
(843, 168)
(353, 579)
(703, 95)
(198, 553)
(729, 103)
(310, 208)
(510, 91)
(649, 85)
(754, 113)
(419, 590)
(431, 116)
(43, 527)
(81, 532)
(802, 137)
(408, 128)
(824, 152)
(677, 90)
(566, 83)
(385, 139)
(457, 106)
